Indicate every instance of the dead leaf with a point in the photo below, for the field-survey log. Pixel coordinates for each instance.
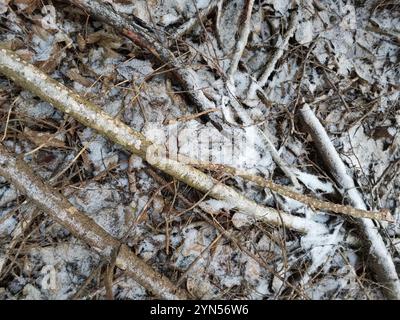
(81, 42)
(40, 138)
(86, 160)
(53, 62)
(75, 75)
(27, 6)
(104, 39)
(25, 54)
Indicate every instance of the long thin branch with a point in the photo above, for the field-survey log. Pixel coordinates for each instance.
(143, 36)
(262, 135)
(240, 45)
(64, 99)
(242, 41)
(208, 213)
(315, 203)
(270, 66)
(381, 260)
(277, 158)
(81, 226)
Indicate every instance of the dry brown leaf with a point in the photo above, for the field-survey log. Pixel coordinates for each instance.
(53, 62)
(27, 6)
(193, 249)
(75, 75)
(104, 39)
(81, 42)
(13, 44)
(25, 54)
(40, 32)
(40, 138)
(199, 286)
(86, 160)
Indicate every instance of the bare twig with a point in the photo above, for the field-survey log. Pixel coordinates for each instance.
(192, 116)
(144, 36)
(194, 21)
(263, 135)
(209, 215)
(155, 42)
(311, 201)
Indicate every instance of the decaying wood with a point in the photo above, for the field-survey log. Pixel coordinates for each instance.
(380, 259)
(81, 226)
(64, 99)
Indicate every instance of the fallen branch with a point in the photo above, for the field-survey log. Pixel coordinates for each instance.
(381, 260)
(242, 113)
(277, 158)
(189, 25)
(65, 100)
(156, 43)
(242, 41)
(208, 214)
(314, 203)
(82, 227)
(270, 66)
(143, 36)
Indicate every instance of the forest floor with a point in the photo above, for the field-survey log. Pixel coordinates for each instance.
(341, 58)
